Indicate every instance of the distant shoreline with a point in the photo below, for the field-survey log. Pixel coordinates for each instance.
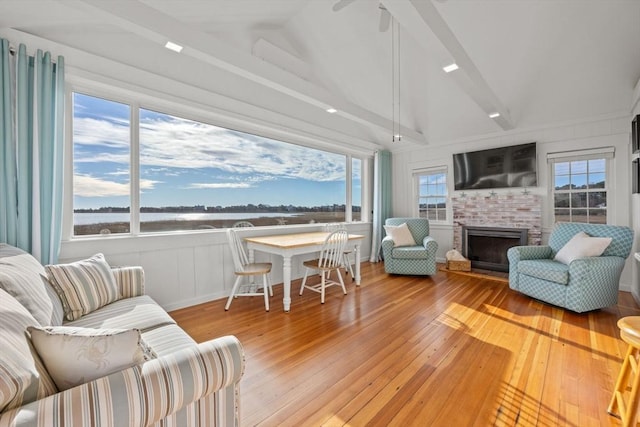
(203, 224)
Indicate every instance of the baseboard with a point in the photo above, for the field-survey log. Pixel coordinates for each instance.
(192, 301)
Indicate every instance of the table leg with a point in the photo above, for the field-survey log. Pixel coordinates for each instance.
(286, 281)
(356, 251)
(252, 279)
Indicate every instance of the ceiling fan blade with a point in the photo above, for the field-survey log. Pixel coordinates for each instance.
(341, 4)
(385, 19)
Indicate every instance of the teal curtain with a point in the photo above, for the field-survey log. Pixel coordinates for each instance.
(381, 199)
(32, 132)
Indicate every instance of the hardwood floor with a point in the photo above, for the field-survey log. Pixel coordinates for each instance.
(446, 350)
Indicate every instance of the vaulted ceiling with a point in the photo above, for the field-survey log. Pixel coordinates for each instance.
(536, 62)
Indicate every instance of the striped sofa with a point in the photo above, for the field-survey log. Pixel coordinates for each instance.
(184, 384)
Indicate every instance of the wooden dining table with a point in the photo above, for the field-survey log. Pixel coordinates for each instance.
(288, 245)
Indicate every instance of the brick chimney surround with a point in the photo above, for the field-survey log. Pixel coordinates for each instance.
(522, 210)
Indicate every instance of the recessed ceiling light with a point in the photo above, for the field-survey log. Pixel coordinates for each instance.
(494, 115)
(451, 67)
(331, 110)
(174, 47)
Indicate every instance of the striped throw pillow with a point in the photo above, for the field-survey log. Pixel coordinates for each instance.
(83, 286)
(23, 377)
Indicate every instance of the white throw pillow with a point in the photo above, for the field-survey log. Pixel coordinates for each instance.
(74, 355)
(400, 235)
(581, 246)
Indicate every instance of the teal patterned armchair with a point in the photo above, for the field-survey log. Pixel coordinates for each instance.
(412, 260)
(584, 284)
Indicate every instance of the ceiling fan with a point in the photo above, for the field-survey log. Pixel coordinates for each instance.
(385, 16)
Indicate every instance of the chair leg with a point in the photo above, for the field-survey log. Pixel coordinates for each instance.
(265, 289)
(348, 267)
(322, 287)
(626, 411)
(304, 280)
(344, 290)
(270, 286)
(233, 292)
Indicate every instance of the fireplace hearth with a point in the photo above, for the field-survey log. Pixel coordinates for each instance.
(487, 247)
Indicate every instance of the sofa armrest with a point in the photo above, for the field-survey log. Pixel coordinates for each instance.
(144, 394)
(387, 246)
(520, 253)
(430, 244)
(596, 271)
(130, 281)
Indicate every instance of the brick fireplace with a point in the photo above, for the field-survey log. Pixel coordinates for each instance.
(487, 247)
(521, 211)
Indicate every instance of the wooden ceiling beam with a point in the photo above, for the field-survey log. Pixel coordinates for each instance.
(419, 17)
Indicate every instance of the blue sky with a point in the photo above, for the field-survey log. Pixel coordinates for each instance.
(189, 163)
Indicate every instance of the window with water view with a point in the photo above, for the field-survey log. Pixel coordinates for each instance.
(194, 175)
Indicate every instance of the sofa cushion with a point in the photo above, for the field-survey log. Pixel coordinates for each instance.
(84, 286)
(24, 278)
(546, 269)
(581, 246)
(23, 378)
(400, 235)
(138, 312)
(74, 356)
(410, 252)
(167, 339)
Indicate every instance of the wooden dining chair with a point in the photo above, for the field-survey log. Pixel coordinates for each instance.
(330, 260)
(346, 262)
(243, 269)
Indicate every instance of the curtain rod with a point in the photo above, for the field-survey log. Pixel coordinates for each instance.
(13, 52)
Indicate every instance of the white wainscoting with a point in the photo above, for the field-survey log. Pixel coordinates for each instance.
(183, 269)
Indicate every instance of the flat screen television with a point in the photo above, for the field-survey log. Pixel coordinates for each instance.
(513, 166)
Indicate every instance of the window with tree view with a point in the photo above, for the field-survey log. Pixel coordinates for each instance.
(580, 191)
(194, 175)
(432, 195)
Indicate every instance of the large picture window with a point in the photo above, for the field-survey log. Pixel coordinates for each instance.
(580, 189)
(194, 175)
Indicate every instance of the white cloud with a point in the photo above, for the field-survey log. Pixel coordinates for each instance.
(90, 186)
(220, 185)
(179, 143)
(112, 133)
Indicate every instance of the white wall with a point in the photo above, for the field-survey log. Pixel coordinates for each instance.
(609, 131)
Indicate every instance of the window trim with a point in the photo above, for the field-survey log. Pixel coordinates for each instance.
(605, 153)
(415, 176)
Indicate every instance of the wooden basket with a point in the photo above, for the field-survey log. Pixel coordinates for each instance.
(459, 265)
